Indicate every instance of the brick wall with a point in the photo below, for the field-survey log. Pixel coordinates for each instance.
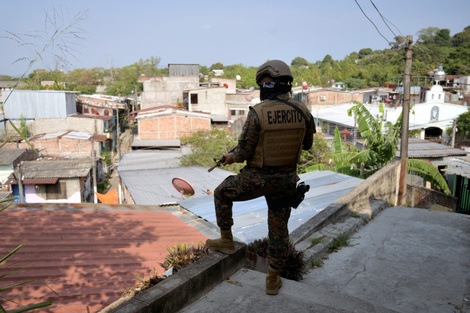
(171, 126)
(328, 97)
(61, 147)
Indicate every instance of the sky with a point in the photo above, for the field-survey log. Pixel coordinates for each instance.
(103, 33)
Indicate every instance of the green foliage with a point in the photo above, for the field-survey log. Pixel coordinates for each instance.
(342, 240)
(23, 130)
(299, 62)
(429, 173)
(366, 68)
(217, 66)
(247, 74)
(316, 155)
(181, 255)
(294, 265)
(381, 139)
(207, 145)
(463, 126)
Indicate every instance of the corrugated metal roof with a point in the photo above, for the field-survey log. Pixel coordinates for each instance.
(459, 166)
(56, 168)
(420, 148)
(149, 159)
(159, 143)
(153, 186)
(8, 156)
(84, 257)
(250, 217)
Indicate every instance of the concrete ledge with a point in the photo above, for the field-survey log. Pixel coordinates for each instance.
(185, 286)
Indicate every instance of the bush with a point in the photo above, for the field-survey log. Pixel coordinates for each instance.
(182, 255)
(294, 266)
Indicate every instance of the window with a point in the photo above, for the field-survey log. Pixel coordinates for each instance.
(56, 191)
(194, 98)
(233, 112)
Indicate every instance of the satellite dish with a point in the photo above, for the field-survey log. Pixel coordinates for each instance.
(238, 77)
(183, 187)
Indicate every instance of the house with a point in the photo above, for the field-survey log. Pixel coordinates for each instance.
(9, 161)
(338, 85)
(159, 125)
(183, 89)
(32, 104)
(55, 181)
(6, 86)
(49, 112)
(458, 176)
(169, 90)
(67, 144)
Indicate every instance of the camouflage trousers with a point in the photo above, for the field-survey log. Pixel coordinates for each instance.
(250, 183)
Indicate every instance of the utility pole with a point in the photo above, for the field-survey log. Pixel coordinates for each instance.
(93, 169)
(405, 119)
(19, 179)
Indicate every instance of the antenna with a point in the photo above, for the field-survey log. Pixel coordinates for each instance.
(183, 187)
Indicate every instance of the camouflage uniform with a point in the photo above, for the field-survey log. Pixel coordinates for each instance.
(276, 184)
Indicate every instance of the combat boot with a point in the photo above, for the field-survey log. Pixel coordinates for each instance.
(273, 281)
(225, 244)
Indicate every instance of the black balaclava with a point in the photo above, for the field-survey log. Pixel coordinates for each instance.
(279, 88)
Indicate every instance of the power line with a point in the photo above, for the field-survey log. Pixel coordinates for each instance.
(372, 22)
(383, 18)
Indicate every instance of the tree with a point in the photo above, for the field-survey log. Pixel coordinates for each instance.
(463, 126)
(381, 140)
(365, 52)
(217, 66)
(205, 145)
(299, 62)
(317, 154)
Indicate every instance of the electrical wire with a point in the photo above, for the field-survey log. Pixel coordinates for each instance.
(384, 19)
(372, 23)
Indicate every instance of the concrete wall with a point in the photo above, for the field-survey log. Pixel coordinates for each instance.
(383, 185)
(47, 126)
(210, 100)
(37, 193)
(165, 90)
(229, 84)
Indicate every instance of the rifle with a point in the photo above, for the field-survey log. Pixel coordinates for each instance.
(219, 162)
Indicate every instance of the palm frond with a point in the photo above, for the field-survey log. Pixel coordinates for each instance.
(429, 173)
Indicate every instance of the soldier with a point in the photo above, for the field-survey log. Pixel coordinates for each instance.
(272, 138)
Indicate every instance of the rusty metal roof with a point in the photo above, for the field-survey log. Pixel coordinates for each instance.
(83, 257)
(420, 148)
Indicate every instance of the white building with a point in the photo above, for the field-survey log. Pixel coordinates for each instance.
(432, 117)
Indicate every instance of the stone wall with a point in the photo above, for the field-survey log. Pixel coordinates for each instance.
(421, 197)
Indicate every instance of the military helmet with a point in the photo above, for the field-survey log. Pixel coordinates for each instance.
(277, 69)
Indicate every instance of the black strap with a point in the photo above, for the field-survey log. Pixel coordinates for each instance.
(296, 108)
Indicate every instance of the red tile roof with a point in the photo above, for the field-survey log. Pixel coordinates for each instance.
(84, 259)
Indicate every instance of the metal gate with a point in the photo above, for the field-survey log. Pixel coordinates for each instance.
(463, 195)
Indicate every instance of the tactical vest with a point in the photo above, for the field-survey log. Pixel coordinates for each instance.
(281, 136)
